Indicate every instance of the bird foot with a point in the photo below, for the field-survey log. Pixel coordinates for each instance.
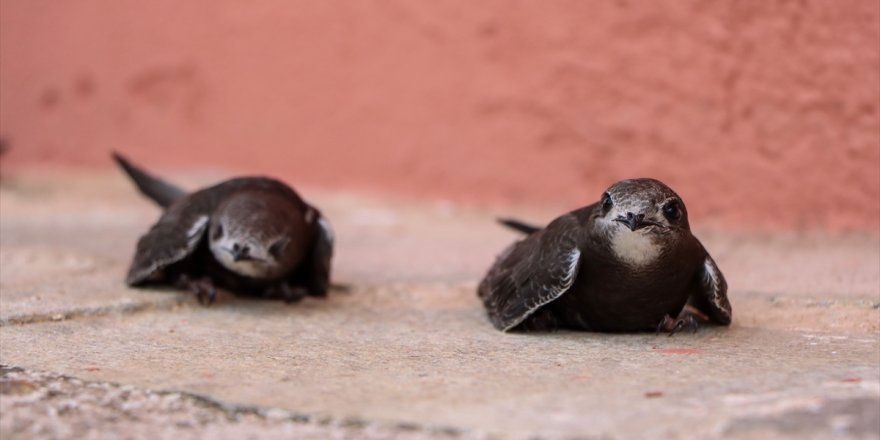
(203, 287)
(286, 293)
(673, 326)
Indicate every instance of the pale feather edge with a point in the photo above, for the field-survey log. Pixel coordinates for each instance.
(713, 278)
(192, 239)
(328, 231)
(573, 259)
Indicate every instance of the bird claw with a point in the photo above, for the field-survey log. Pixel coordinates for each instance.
(206, 294)
(673, 326)
(204, 289)
(287, 293)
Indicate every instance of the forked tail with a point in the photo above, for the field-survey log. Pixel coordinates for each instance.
(517, 225)
(158, 190)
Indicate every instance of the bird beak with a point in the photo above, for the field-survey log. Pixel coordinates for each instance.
(239, 254)
(236, 256)
(635, 222)
(632, 223)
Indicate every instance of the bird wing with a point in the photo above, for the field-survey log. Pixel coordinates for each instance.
(175, 236)
(709, 294)
(182, 226)
(317, 264)
(531, 273)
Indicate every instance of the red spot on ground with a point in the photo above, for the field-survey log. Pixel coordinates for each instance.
(208, 375)
(678, 350)
(653, 394)
(92, 369)
(852, 380)
(582, 377)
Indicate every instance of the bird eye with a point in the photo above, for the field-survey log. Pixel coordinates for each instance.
(217, 233)
(606, 202)
(277, 248)
(671, 210)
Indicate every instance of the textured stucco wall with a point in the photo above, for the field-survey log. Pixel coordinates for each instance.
(761, 113)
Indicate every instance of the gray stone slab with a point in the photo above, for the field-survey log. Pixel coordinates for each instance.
(409, 344)
(38, 404)
(426, 354)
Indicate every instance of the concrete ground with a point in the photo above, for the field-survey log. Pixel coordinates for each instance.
(407, 352)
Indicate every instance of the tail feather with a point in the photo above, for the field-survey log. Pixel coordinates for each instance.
(520, 226)
(160, 191)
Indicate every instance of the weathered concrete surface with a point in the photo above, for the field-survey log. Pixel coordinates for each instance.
(47, 405)
(409, 344)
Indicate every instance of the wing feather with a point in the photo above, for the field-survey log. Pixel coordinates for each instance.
(710, 295)
(532, 273)
(317, 264)
(167, 242)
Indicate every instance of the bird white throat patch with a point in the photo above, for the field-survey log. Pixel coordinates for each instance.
(248, 268)
(634, 247)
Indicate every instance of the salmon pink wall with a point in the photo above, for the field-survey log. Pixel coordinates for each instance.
(760, 113)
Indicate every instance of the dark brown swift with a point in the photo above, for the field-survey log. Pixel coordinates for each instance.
(248, 235)
(626, 263)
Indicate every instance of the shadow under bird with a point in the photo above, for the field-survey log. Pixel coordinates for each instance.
(248, 235)
(626, 263)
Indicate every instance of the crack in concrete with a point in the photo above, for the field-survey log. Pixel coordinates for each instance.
(93, 312)
(37, 380)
